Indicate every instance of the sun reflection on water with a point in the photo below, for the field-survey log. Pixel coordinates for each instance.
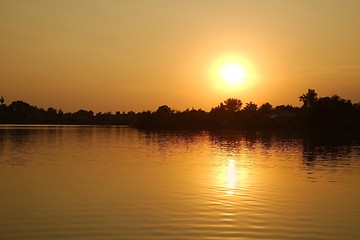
(231, 177)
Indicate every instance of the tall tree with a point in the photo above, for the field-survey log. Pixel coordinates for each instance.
(164, 109)
(250, 107)
(232, 104)
(308, 98)
(265, 108)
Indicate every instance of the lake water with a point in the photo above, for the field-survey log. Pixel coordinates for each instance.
(86, 182)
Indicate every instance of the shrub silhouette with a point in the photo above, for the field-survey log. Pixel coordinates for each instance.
(317, 113)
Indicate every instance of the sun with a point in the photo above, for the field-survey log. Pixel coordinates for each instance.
(233, 74)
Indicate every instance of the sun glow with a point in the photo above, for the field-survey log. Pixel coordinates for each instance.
(232, 73)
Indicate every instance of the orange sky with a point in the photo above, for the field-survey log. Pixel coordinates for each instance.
(140, 54)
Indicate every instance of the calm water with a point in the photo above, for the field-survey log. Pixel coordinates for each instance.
(80, 182)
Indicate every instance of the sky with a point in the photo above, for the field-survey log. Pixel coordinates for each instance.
(115, 55)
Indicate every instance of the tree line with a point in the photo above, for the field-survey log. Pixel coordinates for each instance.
(327, 113)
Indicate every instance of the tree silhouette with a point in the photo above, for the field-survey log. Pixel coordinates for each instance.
(250, 107)
(332, 110)
(232, 104)
(327, 114)
(164, 109)
(308, 98)
(266, 108)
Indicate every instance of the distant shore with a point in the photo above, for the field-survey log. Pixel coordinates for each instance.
(325, 114)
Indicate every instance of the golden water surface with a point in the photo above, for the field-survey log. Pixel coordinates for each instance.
(86, 182)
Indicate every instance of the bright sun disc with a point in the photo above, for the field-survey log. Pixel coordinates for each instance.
(233, 74)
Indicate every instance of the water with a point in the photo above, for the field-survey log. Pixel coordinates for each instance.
(84, 182)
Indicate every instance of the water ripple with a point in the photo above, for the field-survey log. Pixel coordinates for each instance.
(60, 182)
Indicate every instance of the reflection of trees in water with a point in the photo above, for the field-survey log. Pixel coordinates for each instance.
(327, 150)
(235, 142)
(228, 142)
(21, 144)
(1, 143)
(168, 142)
(15, 141)
(21, 139)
